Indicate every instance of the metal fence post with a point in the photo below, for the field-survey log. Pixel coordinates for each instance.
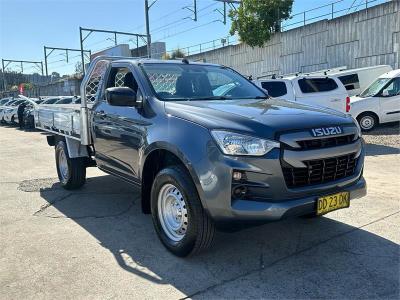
(304, 18)
(332, 11)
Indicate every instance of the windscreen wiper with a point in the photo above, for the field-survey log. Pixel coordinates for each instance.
(257, 97)
(212, 98)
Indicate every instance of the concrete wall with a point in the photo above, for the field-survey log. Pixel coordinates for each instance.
(365, 38)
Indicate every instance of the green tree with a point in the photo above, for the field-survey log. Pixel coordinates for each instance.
(256, 20)
(178, 53)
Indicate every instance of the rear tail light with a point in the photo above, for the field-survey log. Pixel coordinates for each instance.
(347, 104)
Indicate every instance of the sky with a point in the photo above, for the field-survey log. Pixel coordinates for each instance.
(28, 25)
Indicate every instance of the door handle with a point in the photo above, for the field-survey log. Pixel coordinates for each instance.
(335, 100)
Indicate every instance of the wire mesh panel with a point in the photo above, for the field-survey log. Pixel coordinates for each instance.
(120, 78)
(164, 82)
(95, 82)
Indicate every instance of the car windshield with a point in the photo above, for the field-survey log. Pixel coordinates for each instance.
(174, 82)
(18, 102)
(4, 101)
(64, 101)
(50, 101)
(375, 87)
(9, 103)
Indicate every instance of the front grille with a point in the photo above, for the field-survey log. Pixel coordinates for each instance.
(320, 171)
(326, 142)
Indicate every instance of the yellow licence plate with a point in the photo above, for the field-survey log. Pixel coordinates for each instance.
(333, 202)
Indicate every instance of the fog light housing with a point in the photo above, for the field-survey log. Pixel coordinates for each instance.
(236, 175)
(239, 192)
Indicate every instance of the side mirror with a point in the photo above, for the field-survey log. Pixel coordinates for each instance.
(385, 93)
(121, 96)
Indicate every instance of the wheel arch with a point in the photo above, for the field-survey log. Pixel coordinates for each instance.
(366, 113)
(157, 157)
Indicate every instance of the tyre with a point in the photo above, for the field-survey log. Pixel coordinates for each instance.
(71, 171)
(367, 121)
(180, 221)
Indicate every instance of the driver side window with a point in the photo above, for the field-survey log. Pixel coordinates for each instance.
(393, 89)
(122, 77)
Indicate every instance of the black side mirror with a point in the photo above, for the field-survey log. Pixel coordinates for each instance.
(121, 96)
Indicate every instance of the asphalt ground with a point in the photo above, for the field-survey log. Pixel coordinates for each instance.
(95, 243)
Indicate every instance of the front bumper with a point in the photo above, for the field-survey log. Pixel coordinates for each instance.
(268, 211)
(270, 198)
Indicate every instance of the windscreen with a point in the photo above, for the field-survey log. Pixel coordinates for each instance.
(375, 87)
(64, 101)
(50, 101)
(9, 103)
(18, 102)
(174, 82)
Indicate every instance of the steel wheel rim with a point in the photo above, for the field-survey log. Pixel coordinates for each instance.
(367, 122)
(172, 212)
(63, 165)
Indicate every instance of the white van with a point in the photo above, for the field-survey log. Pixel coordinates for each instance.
(379, 103)
(357, 80)
(323, 91)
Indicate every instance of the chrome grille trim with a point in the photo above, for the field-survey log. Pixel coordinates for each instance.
(292, 139)
(296, 158)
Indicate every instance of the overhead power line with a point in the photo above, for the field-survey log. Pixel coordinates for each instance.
(192, 28)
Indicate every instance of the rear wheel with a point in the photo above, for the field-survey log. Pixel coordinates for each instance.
(178, 216)
(367, 121)
(71, 171)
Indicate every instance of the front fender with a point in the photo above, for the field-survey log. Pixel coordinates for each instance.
(361, 106)
(190, 142)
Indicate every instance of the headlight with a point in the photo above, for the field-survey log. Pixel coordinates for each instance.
(232, 143)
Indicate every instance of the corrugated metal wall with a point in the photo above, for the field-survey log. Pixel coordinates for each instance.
(365, 38)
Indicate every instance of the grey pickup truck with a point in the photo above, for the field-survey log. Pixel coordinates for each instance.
(207, 147)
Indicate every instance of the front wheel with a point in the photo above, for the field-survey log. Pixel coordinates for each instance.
(180, 221)
(367, 121)
(71, 171)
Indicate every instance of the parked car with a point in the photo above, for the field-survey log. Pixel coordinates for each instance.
(203, 159)
(10, 114)
(323, 91)
(4, 107)
(379, 103)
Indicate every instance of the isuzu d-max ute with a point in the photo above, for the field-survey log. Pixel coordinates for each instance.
(207, 147)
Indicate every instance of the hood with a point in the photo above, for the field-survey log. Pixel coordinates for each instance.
(358, 98)
(260, 117)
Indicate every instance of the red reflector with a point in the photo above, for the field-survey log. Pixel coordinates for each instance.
(347, 104)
